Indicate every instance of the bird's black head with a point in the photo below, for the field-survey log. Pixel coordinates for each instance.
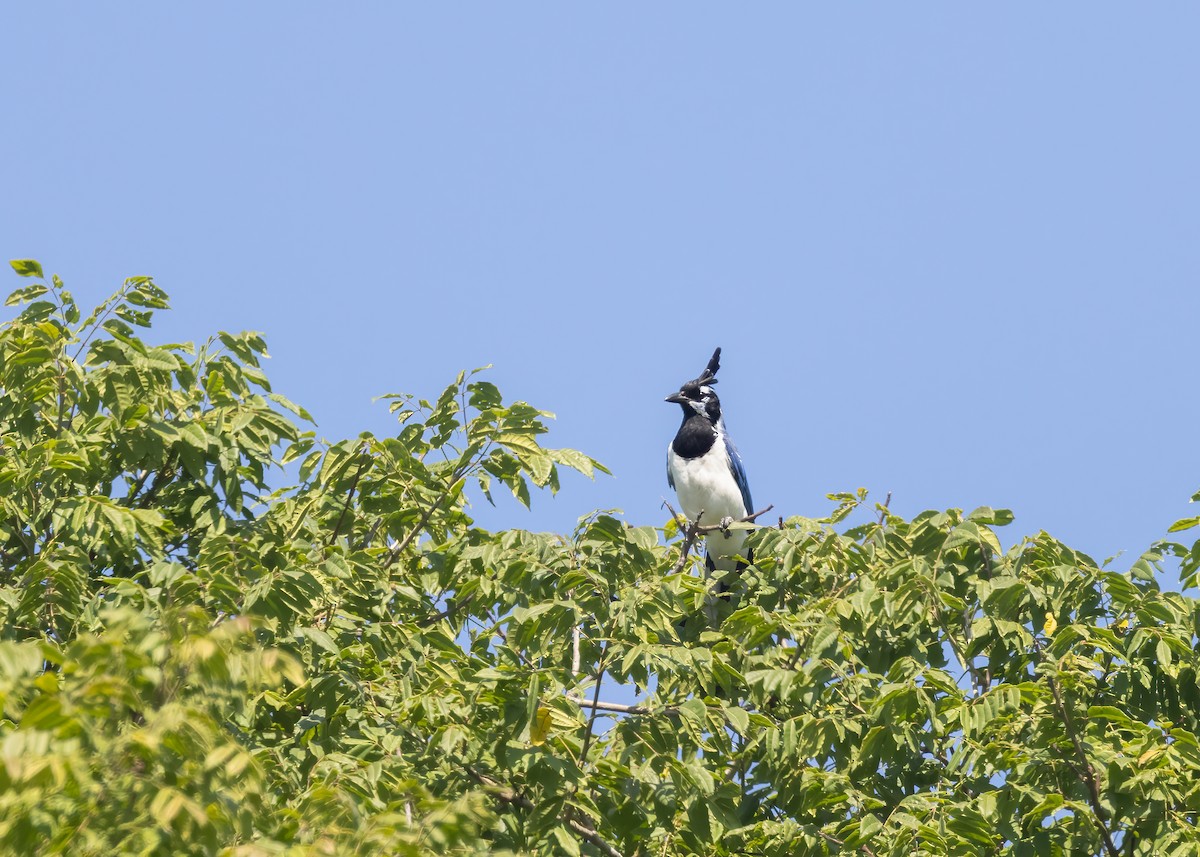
(698, 396)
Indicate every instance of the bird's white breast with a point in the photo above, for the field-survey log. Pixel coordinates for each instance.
(706, 484)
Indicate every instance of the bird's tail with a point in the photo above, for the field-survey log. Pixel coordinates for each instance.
(727, 581)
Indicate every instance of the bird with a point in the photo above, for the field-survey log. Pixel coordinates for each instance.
(706, 471)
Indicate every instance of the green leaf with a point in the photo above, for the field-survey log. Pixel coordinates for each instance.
(27, 267)
(698, 821)
(1162, 653)
(540, 468)
(991, 517)
(694, 710)
(868, 827)
(1110, 713)
(1048, 804)
(44, 712)
(26, 294)
(566, 841)
(322, 640)
(32, 356)
(577, 461)
(532, 701)
(521, 615)
(739, 719)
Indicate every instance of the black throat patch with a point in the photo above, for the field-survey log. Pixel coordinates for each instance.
(695, 437)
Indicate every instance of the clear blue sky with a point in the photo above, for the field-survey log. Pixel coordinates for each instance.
(950, 251)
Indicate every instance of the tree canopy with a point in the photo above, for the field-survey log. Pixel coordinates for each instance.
(220, 634)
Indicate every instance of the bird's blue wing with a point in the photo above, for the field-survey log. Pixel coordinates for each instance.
(739, 474)
(670, 476)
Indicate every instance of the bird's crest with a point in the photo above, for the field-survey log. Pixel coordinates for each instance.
(709, 375)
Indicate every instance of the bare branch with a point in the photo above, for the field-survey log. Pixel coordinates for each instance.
(749, 519)
(600, 705)
(695, 529)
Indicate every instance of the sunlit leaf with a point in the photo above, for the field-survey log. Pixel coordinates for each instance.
(539, 730)
(27, 267)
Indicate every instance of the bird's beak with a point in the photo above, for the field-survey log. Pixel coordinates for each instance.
(677, 398)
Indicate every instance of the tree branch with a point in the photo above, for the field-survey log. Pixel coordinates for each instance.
(599, 705)
(509, 795)
(366, 459)
(460, 473)
(695, 529)
(60, 422)
(160, 479)
(689, 538)
(587, 738)
(1085, 771)
(398, 548)
(749, 519)
(828, 837)
(136, 487)
(370, 536)
(445, 614)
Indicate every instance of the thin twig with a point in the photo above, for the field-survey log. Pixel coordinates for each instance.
(840, 844)
(749, 519)
(370, 536)
(507, 794)
(459, 474)
(362, 465)
(696, 529)
(689, 538)
(587, 738)
(60, 423)
(136, 487)
(1086, 772)
(161, 479)
(398, 548)
(97, 318)
(883, 510)
(445, 614)
(499, 632)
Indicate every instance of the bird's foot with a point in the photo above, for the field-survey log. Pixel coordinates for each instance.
(726, 522)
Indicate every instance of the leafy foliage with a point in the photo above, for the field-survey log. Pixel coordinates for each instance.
(194, 661)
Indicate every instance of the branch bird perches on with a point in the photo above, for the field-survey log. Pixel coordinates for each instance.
(696, 529)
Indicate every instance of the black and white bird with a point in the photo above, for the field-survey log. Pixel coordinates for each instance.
(706, 471)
